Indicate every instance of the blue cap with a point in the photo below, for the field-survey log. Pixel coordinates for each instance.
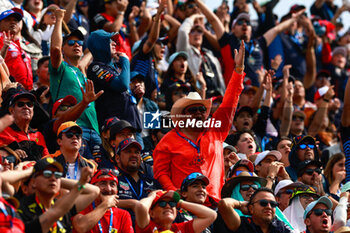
(126, 143)
(177, 54)
(18, 13)
(135, 74)
(322, 200)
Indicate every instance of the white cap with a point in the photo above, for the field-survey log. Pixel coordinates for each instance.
(282, 184)
(262, 156)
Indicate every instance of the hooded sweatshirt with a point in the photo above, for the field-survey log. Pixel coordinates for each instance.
(113, 78)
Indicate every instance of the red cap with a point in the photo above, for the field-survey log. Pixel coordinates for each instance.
(69, 99)
(110, 173)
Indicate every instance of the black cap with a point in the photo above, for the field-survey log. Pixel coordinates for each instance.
(244, 109)
(76, 33)
(46, 162)
(119, 126)
(302, 166)
(21, 94)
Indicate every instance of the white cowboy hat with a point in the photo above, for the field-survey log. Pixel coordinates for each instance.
(191, 98)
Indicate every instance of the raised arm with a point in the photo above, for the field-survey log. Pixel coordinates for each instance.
(70, 8)
(271, 34)
(174, 26)
(84, 223)
(155, 28)
(321, 113)
(74, 113)
(212, 19)
(67, 201)
(142, 210)
(205, 216)
(89, 193)
(287, 111)
(227, 211)
(118, 22)
(56, 40)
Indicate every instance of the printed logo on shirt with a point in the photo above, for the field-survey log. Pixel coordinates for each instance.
(124, 185)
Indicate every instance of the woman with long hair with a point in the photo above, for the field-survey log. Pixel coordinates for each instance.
(335, 175)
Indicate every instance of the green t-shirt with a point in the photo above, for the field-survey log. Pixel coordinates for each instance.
(72, 79)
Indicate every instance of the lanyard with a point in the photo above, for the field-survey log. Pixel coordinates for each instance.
(156, 77)
(250, 48)
(133, 190)
(76, 165)
(191, 143)
(76, 75)
(57, 223)
(110, 220)
(3, 209)
(78, 19)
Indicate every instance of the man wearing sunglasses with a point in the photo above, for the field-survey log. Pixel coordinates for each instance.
(69, 139)
(317, 216)
(67, 79)
(261, 207)
(39, 211)
(158, 211)
(283, 192)
(185, 150)
(103, 215)
(309, 172)
(303, 148)
(29, 144)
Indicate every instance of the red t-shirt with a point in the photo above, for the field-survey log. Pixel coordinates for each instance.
(9, 220)
(184, 227)
(121, 221)
(19, 64)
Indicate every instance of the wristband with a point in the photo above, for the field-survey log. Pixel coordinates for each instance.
(270, 177)
(80, 186)
(325, 100)
(239, 69)
(121, 12)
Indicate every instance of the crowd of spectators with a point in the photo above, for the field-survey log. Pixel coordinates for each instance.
(166, 116)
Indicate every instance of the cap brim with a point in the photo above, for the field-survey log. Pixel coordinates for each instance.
(69, 128)
(231, 183)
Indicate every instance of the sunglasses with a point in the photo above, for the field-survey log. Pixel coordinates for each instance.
(21, 104)
(64, 107)
(294, 118)
(72, 42)
(49, 13)
(319, 212)
(198, 32)
(311, 171)
(307, 196)
(193, 110)
(242, 21)
(48, 174)
(264, 203)
(71, 134)
(288, 191)
(239, 172)
(164, 203)
(303, 146)
(106, 171)
(246, 187)
(9, 158)
(190, 6)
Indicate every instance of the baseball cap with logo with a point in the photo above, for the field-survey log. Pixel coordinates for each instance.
(16, 12)
(191, 178)
(66, 126)
(126, 143)
(69, 99)
(42, 164)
